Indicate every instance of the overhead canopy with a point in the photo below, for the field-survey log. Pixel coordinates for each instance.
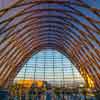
(70, 26)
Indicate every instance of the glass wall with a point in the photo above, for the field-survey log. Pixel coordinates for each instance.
(53, 67)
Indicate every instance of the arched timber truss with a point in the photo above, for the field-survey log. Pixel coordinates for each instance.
(70, 26)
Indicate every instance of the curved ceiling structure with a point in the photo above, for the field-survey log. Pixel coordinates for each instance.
(70, 26)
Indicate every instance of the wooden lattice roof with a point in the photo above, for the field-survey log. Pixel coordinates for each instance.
(71, 26)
